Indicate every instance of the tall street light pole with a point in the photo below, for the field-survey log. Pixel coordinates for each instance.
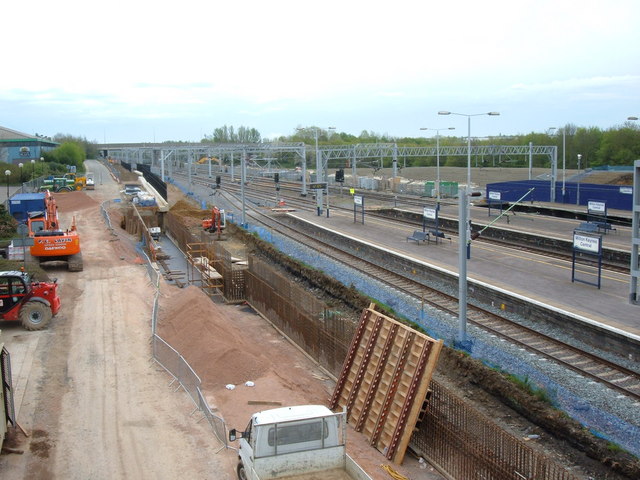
(319, 174)
(564, 158)
(564, 161)
(7, 173)
(634, 265)
(437, 130)
(304, 169)
(468, 115)
(578, 182)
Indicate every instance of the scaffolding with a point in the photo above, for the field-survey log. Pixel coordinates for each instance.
(204, 269)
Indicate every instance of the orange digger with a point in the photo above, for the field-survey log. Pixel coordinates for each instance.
(216, 223)
(50, 242)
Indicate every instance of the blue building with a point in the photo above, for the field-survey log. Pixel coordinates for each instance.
(17, 147)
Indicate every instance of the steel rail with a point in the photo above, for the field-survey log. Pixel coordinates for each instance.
(263, 188)
(604, 371)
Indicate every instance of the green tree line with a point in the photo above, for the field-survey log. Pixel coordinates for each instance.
(617, 146)
(227, 134)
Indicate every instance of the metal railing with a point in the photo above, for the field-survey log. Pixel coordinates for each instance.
(171, 360)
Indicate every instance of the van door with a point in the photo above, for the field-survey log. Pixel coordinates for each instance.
(246, 450)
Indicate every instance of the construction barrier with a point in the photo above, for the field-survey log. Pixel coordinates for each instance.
(170, 359)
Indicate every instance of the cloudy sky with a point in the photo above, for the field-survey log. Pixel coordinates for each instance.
(143, 71)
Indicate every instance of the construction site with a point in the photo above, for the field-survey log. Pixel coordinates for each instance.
(398, 406)
(242, 328)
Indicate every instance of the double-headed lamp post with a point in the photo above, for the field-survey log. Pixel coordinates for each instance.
(437, 130)
(464, 230)
(468, 115)
(467, 240)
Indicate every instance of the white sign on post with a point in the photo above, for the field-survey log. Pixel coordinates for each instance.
(357, 199)
(595, 206)
(495, 195)
(586, 243)
(429, 213)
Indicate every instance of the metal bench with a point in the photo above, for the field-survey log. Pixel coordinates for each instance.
(438, 235)
(588, 227)
(605, 227)
(419, 236)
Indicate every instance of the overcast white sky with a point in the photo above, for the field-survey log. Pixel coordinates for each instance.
(142, 71)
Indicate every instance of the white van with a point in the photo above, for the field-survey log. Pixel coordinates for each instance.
(298, 440)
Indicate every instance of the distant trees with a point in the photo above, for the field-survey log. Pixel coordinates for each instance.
(618, 145)
(90, 148)
(73, 151)
(597, 147)
(227, 134)
(67, 154)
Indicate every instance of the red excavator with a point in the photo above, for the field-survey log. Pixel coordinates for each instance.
(216, 223)
(50, 243)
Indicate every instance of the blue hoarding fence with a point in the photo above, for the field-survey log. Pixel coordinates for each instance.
(619, 197)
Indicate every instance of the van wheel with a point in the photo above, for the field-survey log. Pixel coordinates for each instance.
(241, 473)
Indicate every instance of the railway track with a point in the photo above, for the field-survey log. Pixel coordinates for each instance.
(614, 376)
(263, 188)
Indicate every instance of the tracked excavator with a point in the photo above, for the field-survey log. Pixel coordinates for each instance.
(216, 223)
(50, 242)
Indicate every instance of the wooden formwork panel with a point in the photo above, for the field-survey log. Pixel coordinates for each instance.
(384, 381)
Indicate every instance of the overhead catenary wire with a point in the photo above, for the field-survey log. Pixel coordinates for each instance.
(478, 233)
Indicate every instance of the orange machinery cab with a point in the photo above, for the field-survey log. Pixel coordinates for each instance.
(53, 243)
(48, 243)
(217, 222)
(48, 239)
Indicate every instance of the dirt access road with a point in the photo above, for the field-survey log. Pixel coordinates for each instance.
(94, 404)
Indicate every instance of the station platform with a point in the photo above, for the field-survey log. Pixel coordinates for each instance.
(558, 226)
(542, 279)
